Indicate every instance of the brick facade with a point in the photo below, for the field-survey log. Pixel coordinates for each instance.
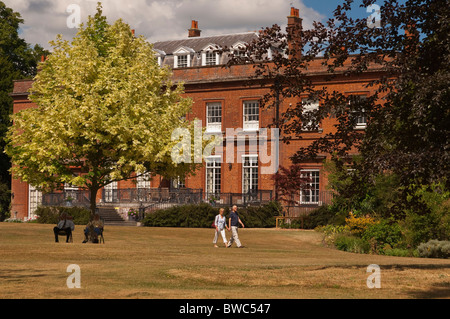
(228, 87)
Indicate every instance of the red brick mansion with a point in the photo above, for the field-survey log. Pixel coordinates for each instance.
(222, 99)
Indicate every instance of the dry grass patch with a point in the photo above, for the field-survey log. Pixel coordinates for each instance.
(182, 263)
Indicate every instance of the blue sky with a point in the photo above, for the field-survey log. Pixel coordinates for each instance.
(168, 19)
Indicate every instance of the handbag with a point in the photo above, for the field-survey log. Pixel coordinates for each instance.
(213, 225)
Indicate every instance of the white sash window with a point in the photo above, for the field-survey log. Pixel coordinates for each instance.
(213, 175)
(251, 115)
(214, 117)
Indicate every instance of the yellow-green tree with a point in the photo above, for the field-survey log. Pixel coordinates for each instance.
(105, 107)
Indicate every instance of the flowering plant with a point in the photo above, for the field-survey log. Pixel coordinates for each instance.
(358, 225)
(132, 213)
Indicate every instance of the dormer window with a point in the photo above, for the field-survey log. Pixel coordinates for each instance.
(160, 55)
(239, 49)
(210, 58)
(182, 61)
(182, 57)
(210, 55)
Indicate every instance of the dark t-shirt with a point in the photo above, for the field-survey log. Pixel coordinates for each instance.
(234, 219)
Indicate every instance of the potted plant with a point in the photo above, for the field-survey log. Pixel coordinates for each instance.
(132, 215)
(68, 201)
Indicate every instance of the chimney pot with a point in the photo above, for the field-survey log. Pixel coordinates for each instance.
(294, 18)
(295, 12)
(194, 30)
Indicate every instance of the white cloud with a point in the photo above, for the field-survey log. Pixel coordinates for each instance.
(158, 19)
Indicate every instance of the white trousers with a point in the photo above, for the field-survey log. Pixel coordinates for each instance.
(216, 236)
(234, 237)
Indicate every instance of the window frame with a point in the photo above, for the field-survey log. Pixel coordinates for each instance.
(216, 168)
(143, 181)
(185, 63)
(251, 178)
(35, 198)
(210, 58)
(354, 113)
(309, 105)
(250, 125)
(214, 126)
(310, 195)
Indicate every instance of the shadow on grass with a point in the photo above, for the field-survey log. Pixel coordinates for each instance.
(439, 290)
(400, 267)
(20, 275)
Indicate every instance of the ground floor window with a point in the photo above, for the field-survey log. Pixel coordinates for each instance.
(34, 200)
(213, 175)
(143, 181)
(249, 173)
(311, 194)
(110, 192)
(178, 183)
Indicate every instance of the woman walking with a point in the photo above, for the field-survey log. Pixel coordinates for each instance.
(220, 223)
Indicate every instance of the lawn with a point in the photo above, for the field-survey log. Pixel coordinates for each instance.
(179, 263)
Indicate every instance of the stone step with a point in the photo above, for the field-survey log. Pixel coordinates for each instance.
(121, 223)
(109, 214)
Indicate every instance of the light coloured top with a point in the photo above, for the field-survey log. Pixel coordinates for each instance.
(66, 223)
(220, 222)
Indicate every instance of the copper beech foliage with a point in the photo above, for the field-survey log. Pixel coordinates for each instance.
(408, 110)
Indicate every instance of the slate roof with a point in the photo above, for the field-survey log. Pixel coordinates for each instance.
(197, 44)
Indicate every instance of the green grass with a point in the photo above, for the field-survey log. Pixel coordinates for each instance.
(141, 262)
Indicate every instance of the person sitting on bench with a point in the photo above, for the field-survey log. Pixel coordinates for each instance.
(65, 226)
(94, 228)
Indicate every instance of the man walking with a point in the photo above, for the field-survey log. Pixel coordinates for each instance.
(233, 223)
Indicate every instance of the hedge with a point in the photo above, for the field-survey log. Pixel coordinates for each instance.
(202, 216)
(50, 215)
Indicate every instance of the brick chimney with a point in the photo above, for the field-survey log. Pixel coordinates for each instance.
(194, 31)
(294, 18)
(294, 28)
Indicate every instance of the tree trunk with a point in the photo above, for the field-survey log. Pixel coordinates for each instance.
(93, 199)
(91, 236)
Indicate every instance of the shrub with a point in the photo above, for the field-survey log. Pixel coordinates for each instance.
(433, 220)
(202, 216)
(260, 216)
(383, 233)
(434, 249)
(401, 252)
(358, 225)
(293, 223)
(330, 233)
(321, 216)
(198, 216)
(352, 244)
(421, 228)
(50, 215)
